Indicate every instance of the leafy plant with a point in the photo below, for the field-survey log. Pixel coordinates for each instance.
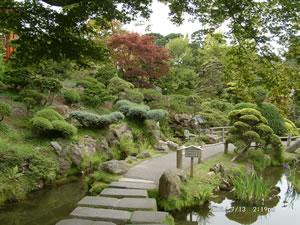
(5, 110)
(71, 96)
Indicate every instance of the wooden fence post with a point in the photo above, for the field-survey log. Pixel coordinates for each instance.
(289, 140)
(225, 147)
(200, 157)
(223, 134)
(179, 159)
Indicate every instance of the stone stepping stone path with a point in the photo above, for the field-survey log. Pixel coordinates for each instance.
(124, 193)
(124, 202)
(115, 203)
(135, 185)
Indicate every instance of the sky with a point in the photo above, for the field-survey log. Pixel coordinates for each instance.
(159, 22)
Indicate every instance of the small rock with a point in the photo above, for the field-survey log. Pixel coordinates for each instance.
(144, 155)
(56, 146)
(172, 145)
(162, 146)
(219, 168)
(211, 173)
(115, 167)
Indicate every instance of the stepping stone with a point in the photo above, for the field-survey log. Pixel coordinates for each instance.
(136, 180)
(82, 222)
(124, 193)
(116, 216)
(134, 185)
(137, 204)
(98, 202)
(144, 217)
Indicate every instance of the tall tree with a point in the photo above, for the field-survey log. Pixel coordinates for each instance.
(140, 60)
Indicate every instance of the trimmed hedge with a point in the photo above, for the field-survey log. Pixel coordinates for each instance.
(48, 122)
(92, 120)
(71, 96)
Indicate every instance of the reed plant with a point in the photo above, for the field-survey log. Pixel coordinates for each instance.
(250, 188)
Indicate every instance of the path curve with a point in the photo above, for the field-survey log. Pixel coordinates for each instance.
(153, 168)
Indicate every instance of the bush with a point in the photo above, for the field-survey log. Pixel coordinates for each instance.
(49, 114)
(48, 122)
(5, 110)
(250, 126)
(95, 94)
(243, 105)
(18, 78)
(128, 147)
(117, 85)
(32, 98)
(290, 128)
(63, 128)
(133, 95)
(93, 120)
(106, 72)
(71, 96)
(275, 120)
(156, 114)
(151, 95)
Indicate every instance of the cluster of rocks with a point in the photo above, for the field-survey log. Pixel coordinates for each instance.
(226, 184)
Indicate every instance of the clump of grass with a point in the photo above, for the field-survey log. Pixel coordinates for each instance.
(250, 188)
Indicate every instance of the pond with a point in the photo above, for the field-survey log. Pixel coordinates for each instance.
(44, 207)
(48, 206)
(223, 210)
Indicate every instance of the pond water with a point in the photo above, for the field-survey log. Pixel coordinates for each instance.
(44, 207)
(223, 210)
(48, 206)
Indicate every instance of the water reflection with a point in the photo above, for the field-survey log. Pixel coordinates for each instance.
(44, 207)
(223, 210)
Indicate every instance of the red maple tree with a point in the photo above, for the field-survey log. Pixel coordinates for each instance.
(139, 59)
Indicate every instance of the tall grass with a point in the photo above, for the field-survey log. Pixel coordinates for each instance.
(250, 188)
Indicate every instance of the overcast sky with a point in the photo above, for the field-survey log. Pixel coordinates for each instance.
(160, 23)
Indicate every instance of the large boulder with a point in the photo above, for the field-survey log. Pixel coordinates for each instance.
(86, 146)
(172, 145)
(116, 132)
(144, 155)
(115, 167)
(170, 184)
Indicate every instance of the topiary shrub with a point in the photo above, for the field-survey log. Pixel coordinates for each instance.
(93, 120)
(249, 126)
(290, 128)
(243, 105)
(157, 114)
(64, 128)
(117, 85)
(275, 119)
(32, 98)
(48, 122)
(71, 96)
(133, 95)
(139, 111)
(17, 78)
(5, 110)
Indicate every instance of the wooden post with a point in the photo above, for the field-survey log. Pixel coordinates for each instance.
(223, 134)
(289, 139)
(192, 166)
(200, 157)
(179, 159)
(225, 147)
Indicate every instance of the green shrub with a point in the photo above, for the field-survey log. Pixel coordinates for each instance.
(106, 72)
(41, 125)
(93, 120)
(95, 94)
(117, 85)
(32, 98)
(275, 120)
(250, 126)
(133, 95)
(156, 114)
(250, 188)
(290, 128)
(48, 122)
(151, 95)
(128, 147)
(243, 105)
(18, 78)
(86, 82)
(71, 96)
(63, 128)
(5, 110)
